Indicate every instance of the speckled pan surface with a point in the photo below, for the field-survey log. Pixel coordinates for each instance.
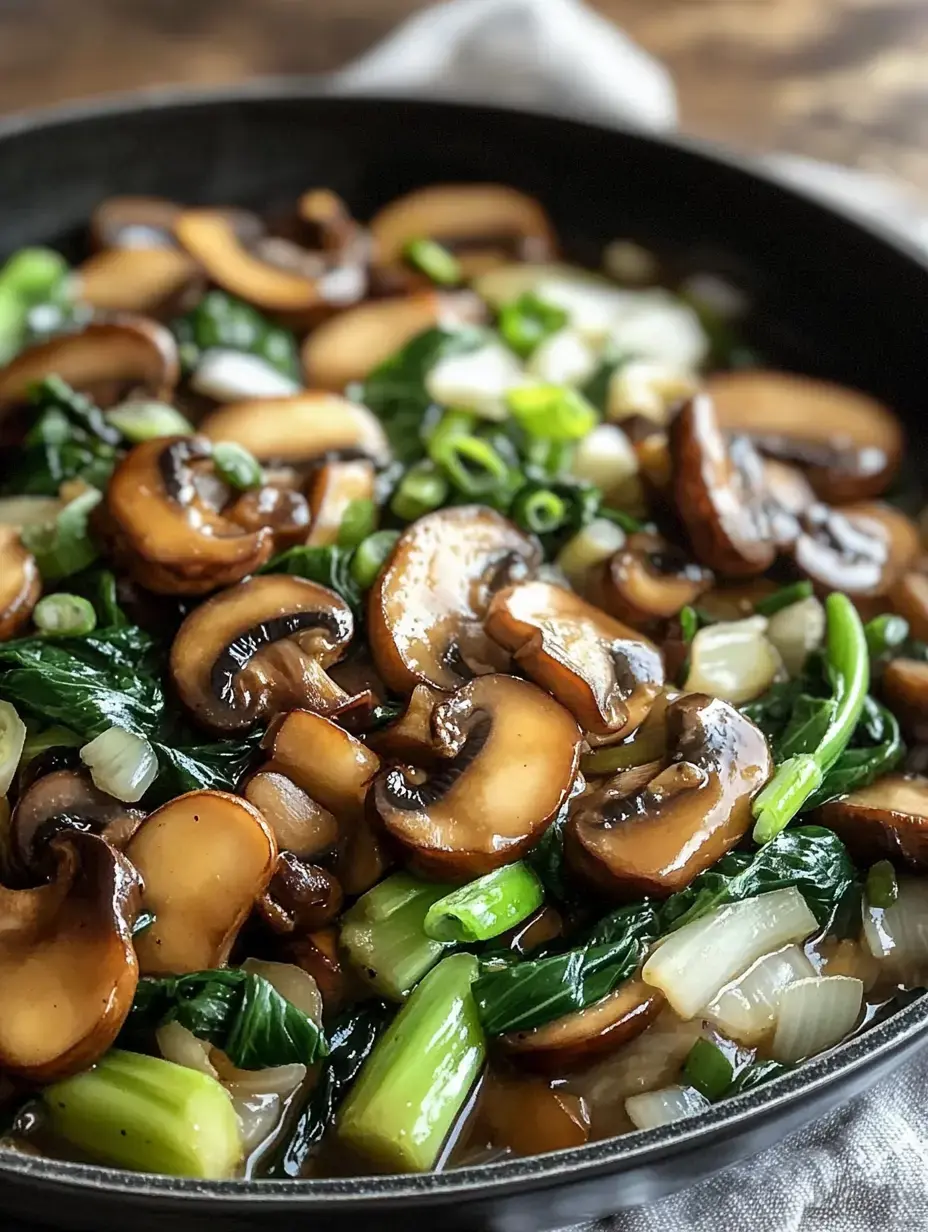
(829, 297)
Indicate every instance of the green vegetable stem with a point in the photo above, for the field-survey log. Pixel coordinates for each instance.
(486, 907)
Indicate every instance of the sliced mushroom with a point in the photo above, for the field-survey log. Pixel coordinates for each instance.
(861, 549)
(789, 495)
(20, 583)
(905, 687)
(327, 219)
(350, 345)
(648, 580)
(426, 609)
(656, 839)
(584, 1036)
(887, 818)
(484, 224)
(334, 487)
(909, 597)
(260, 648)
(67, 965)
(409, 738)
(66, 799)
(145, 280)
(719, 493)
(154, 504)
(736, 600)
(606, 675)
(301, 897)
(509, 757)
(300, 824)
(205, 859)
(849, 443)
(284, 512)
(300, 429)
(318, 955)
(104, 358)
(134, 222)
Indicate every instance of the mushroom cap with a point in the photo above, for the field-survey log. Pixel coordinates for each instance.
(20, 583)
(104, 355)
(334, 486)
(145, 280)
(134, 222)
(719, 494)
(426, 609)
(655, 838)
(909, 595)
(905, 687)
(284, 512)
(205, 859)
(185, 546)
(861, 549)
(300, 428)
(67, 965)
(509, 758)
(849, 443)
(259, 648)
(301, 897)
(605, 674)
(649, 579)
(886, 818)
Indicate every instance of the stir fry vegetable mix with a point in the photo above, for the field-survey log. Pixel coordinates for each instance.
(450, 704)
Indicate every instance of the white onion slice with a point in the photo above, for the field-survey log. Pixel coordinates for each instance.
(588, 548)
(692, 965)
(293, 983)
(259, 1098)
(746, 1011)
(605, 457)
(649, 388)
(232, 376)
(898, 935)
(20, 511)
(505, 283)
(815, 1014)
(733, 660)
(477, 381)
(663, 1107)
(180, 1045)
(796, 631)
(654, 324)
(121, 764)
(12, 739)
(565, 358)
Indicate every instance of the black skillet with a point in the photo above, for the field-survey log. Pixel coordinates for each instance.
(828, 297)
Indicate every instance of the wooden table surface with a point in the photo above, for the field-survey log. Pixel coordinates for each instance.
(844, 80)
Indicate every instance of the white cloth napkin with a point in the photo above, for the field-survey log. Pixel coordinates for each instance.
(864, 1167)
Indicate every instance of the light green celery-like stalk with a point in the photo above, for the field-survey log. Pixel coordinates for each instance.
(486, 907)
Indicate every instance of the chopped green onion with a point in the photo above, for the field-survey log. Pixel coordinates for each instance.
(689, 622)
(414, 1084)
(370, 555)
(143, 421)
(882, 886)
(150, 1115)
(885, 633)
(33, 274)
(434, 261)
(527, 321)
(237, 466)
(786, 596)
(708, 1069)
(422, 489)
(627, 521)
(65, 615)
(358, 522)
(486, 907)
(64, 546)
(553, 457)
(539, 510)
(472, 465)
(553, 411)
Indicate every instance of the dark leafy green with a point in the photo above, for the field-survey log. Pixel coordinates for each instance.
(330, 566)
(784, 597)
(214, 767)
(224, 322)
(547, 857)
(70, 439)
(596, 390)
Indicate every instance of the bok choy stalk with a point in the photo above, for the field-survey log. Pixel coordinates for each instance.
(413, 1086)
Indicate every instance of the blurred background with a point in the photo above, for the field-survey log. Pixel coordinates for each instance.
(842, 80)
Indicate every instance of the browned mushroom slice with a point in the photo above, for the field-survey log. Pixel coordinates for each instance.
(427, 606)
(732, 601)
(205, 859)
(318, 954)
(67, 966)
(509, 757)
(110, 356)
(603, 672)
(154, 504)
(299, 429)
(861, 549)
(335, 486)
(655, 840)
(20, 583)
(648, 580)
(283, 511)
(300, 824)
(719, 493)
(849, 443)
(327, 219)
(134, 222)
(348, 346)
(887, 818)
(485, 224)
(260, 648)
(788, 496)
(909, 597)
(301, 897)
(146, 280)
(409, 738)
(905, 687)
(583, 1037)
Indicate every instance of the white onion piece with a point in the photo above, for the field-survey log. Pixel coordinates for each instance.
(477, 381)
(232, 376)
(733, 660)
(505, 283)
(654, 324)
(649, 388)
(652, 1060)
(815, 1014)
(628, 262)
(663, 1107)
(720, 296)
(564, 358)
(121, 764)
(692, 965)
(592, 305)
(259, 1098)
(898, 935)
(588, 548)
(180, 1045)
(20, 511)
(746, 1011)
(12, 739)
(605, 457)
(796, 631)
(293, 983)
